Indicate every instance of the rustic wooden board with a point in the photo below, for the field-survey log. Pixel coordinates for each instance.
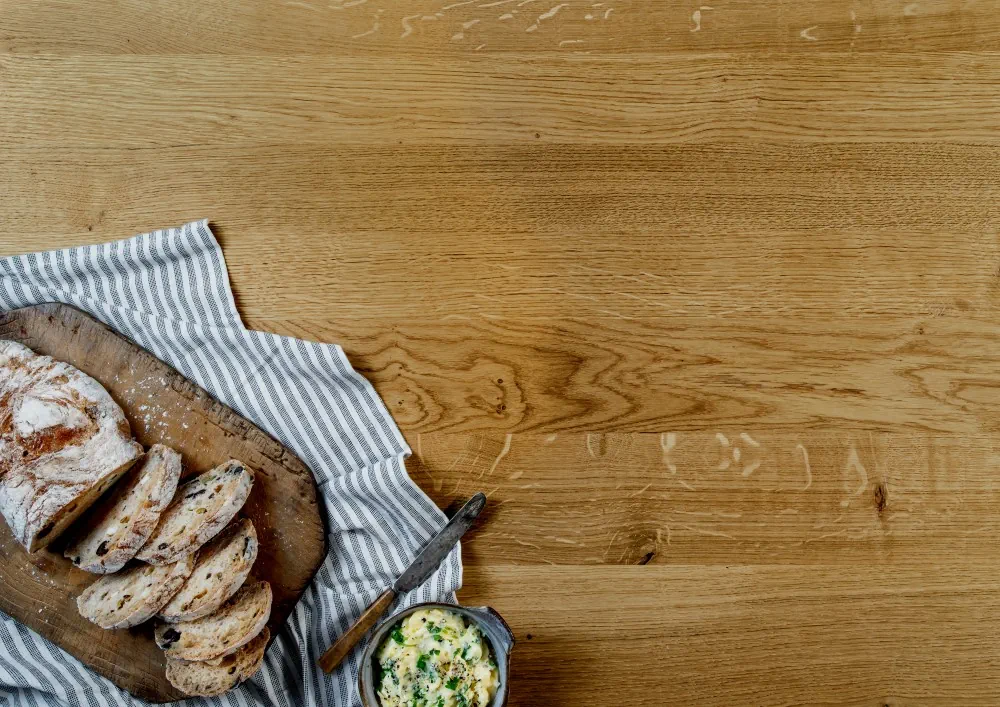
(40, 590)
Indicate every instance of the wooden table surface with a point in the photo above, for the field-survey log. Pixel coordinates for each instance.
(704, 296)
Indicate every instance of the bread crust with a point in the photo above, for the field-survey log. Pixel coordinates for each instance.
(220, 570)
(201, 508)
(214, 677)
(114, 531)
(63, 442)
(222, 632)
(134, 595)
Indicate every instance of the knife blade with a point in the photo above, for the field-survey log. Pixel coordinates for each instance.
(437, 549)
(422, 567)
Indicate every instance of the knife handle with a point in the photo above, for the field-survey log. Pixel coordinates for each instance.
(339, 650)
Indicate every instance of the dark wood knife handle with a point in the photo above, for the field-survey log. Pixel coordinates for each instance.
(339, 650)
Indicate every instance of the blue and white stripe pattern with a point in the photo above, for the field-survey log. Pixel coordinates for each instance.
(169, 292)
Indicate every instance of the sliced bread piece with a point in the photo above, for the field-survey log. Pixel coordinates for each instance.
(63, 442)
(207, 679)
(221, 568)
(220, 633)
(202, 508)
(247, 667)
(134, 595)
(123, 522)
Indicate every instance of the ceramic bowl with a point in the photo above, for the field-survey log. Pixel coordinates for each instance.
(492, 625)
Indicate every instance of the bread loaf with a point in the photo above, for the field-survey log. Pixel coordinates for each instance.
(221, 568)
(202, 507)
(121, 523)
(63, 442)
(222, 632)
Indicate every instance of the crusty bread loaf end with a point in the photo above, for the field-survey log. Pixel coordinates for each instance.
(63, 442)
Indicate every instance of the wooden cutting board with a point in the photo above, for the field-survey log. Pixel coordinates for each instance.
(40, 590)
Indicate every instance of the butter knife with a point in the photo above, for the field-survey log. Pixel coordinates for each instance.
(420, 569)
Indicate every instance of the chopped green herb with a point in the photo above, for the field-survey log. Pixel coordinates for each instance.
(452, 684)
(461, 701)
(397, 635)
(440, 702)
(422, 662)
(461, 655)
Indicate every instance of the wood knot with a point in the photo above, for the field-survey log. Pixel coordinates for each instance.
(881, 498)
(646, 547)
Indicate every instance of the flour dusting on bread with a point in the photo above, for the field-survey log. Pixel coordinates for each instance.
(63, 442)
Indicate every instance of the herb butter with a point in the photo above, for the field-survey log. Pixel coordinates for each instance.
(435, 658)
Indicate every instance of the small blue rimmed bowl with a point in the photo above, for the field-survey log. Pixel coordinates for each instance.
(492, 625)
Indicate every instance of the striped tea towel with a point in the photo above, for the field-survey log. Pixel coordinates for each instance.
(169, 292)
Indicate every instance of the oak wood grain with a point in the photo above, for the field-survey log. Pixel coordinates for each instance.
(584, 372)
(447, 27)
(600, 98)
(723, 230)
(749, 634)
(524, 195)
(725, 495)
(40, 589)
(585, 251)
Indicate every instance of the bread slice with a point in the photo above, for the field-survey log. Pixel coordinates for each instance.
(202, 508)
(121, 524)
(220, 633)
(221, 568)
(210, 678)
(248, 668)
(63, 443)
(134, 595)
